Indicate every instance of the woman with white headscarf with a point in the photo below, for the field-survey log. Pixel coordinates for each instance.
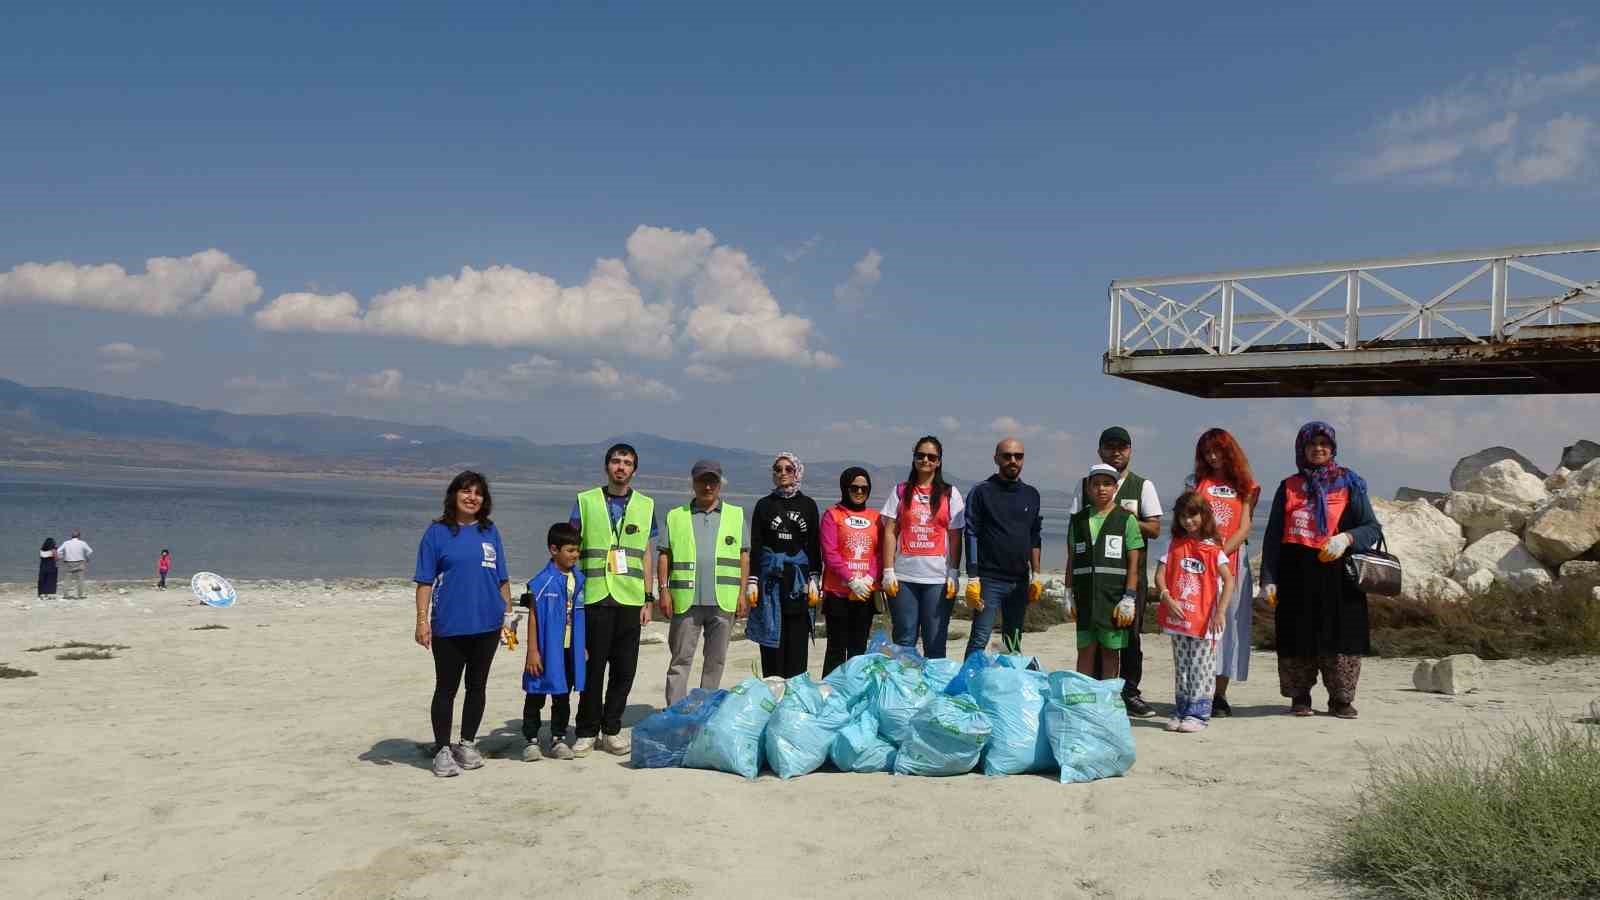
(785, 565)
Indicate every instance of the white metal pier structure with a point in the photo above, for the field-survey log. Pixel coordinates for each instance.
(1512, 320)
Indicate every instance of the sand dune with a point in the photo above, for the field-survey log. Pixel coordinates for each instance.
(278, 758)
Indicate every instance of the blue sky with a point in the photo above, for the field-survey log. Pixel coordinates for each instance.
(829, 230)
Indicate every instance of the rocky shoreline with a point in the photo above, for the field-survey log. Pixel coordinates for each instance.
(1505, 526)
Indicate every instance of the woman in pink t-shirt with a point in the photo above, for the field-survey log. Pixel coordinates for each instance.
(163, 566)
(922, 522)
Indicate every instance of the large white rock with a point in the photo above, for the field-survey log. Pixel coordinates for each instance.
(1557, 479)
(1480, 514)
(1457, 674)
(1422, 675)
(1565, 529)
(1583, 480)
(1502, 555)
(1508, 481)
(1426, 540)
(1468, 466)
(1580, 454)
(1428, 588)
(1480, 582)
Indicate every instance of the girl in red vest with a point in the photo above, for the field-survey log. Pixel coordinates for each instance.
(851, 567)
(1196, 586)
(1222, 477)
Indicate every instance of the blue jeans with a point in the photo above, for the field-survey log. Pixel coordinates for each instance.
(921, 610)
(1008, 599)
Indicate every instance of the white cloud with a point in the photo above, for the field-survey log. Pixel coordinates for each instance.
(950, 423)
(383, 385)
(1007, 425)
(1560, 151)
(801, 250)
(206, 283)
(598, 376)
(864, 276)
(327, 313)
(1470, 132)
(122, 357)
(703, 372)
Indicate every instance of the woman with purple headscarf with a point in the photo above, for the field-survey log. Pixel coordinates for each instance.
(1318, 516)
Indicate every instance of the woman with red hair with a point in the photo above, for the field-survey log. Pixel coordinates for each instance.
(1223, 479)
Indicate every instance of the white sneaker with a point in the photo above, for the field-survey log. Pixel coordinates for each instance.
(614, 744)
(467, 755)
(531, 753)
(444, 763)
(582, 746)
(560, 750)
(1174, 723)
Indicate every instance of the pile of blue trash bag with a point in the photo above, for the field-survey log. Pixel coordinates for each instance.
(889, 710)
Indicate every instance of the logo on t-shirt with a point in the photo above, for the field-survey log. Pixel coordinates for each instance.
(1113, 546)
(488, 555)
(857, 522)
(1190, 564)
(1131, 506)
(1223, 491)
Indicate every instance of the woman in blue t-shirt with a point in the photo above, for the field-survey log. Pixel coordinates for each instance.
(461, 573)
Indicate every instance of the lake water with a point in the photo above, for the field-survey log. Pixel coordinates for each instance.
(266, 527)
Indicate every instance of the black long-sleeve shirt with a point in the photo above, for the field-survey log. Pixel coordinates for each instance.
(1003, 528)
(786, 525)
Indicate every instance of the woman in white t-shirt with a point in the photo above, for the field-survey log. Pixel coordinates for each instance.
(922, 522)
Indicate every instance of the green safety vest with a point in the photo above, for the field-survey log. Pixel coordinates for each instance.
(1099, 566)
(681, 571)
(630, 538)
(1128, 496)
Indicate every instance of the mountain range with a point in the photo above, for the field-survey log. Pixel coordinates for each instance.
(67, 427)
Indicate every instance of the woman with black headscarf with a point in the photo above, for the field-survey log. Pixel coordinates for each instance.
(785, 560)
(47, 568)
(851, 566)
(1318, 516)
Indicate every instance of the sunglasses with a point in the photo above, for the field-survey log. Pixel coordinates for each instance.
(783, 470)
(859, 488)
(1015, 456)
(920, 456)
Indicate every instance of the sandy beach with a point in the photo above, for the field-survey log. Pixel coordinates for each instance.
(278, 757)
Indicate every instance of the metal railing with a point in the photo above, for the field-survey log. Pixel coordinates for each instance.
(1291, 305)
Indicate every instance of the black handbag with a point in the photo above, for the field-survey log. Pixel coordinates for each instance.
(1375, 571)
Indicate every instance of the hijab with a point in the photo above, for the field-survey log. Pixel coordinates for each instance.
(799, 473)
(845, 497)
(1324, 479)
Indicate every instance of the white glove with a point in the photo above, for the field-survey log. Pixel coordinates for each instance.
(860, 587)
(1335, 547)
(752, 591)
(813, 592)
(1123, 614)
(1270, 595)
(891, 584)
(512, 621)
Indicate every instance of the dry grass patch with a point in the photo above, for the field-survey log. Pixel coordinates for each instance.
(77, 645)
(8, 671)
(86, 654)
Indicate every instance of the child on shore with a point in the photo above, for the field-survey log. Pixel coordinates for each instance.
(1196, 587)
(163, 566)
(556, 661)
(1104, 548)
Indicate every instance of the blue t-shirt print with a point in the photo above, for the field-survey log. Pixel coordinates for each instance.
(466, 570)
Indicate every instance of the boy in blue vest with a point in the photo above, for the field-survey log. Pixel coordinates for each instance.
(556, 661)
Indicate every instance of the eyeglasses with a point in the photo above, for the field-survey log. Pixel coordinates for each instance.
(1015, 456)
(783, 470)
(919, 456)
(859, 488)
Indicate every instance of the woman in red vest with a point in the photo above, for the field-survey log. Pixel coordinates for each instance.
(922, 522)
(851, 566)
(1222, 477)
(1317, 517)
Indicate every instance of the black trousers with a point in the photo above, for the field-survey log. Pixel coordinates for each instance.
(472, 653)
(560, 707)
(788, 659)
(612, 641)
(849, 625)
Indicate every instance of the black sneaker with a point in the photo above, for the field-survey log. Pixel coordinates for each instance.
(1137, 708)
(1220, 708)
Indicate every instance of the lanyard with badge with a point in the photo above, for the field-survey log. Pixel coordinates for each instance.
(618, 558)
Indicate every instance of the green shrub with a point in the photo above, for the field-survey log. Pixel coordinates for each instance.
(14, 672)
(1513, 815)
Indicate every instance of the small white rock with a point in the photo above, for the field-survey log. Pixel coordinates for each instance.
(1457, 674)
(1422, 675)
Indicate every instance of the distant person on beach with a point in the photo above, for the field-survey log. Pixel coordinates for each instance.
(47, 568)
(1317, 517)
(852, 563)
(702, 566)
(1137, 496)
(922, 522)
(556, 658)
(785, 571)
(1105, 556)
(463, 601)
(617, 525)
(1223, 478)
(1004, 528)
(1195, 585)
(74, 553)
(163, 566)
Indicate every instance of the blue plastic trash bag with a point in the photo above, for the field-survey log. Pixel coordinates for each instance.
(900, 693)
(853, 677)
(858, 748)
(1018, 661)
(947, 738)
(1088, 727)
(939, 673)
(974, 664)
(1013, 699)
(662, 740)
(802, 728)
(731, 739)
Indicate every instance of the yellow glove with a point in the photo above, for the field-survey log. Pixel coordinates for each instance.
(1334, 547)
(1035, 591)
(1270, 594)
(813, 596)
(1072, 610)
(1124, 614)
(860, 588)
(891, 584)
(950, 576)
(752, 592)
(974, 594)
